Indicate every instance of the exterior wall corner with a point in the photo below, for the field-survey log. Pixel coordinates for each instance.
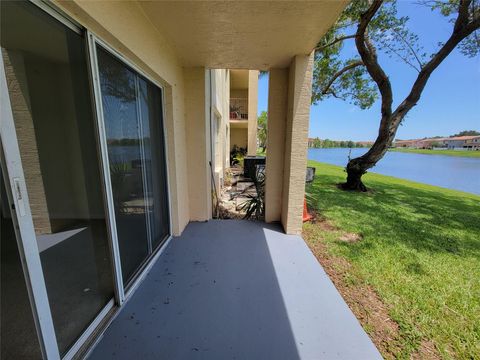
(296, 142)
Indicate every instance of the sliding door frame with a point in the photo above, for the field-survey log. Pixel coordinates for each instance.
(125, 292)
(26, 238)
(24, 228)
(25, 231)
(102, 139)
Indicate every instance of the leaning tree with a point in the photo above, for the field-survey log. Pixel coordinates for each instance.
(372, 25)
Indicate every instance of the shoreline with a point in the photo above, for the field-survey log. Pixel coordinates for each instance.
(457, 153)
(403, 256)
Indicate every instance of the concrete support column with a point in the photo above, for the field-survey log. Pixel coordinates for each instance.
(296, 139)
(277, 119)
(252, 112)
(197, 123)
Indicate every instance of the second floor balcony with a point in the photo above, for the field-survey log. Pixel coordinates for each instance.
(238, 109)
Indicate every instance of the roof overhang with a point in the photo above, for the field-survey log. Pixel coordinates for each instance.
(242, 34)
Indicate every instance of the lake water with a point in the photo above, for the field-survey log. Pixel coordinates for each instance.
(452, 172)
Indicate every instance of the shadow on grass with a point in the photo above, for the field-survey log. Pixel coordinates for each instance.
(423, 218)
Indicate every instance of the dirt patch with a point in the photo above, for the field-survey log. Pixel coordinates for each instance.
(362, 299)
(350, 237)
(322, 223)
(426, 351)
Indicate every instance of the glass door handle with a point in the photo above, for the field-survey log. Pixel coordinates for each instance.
(20, 204)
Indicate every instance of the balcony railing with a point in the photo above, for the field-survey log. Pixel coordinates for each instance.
(238, 109)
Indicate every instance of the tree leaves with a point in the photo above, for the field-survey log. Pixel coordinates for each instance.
(390, 34)
(262, 129)
(337, 77)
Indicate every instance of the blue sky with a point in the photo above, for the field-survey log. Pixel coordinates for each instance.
(450, 102)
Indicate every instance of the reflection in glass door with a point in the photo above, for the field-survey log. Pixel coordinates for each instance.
(150, 100)
(49, 90)
(18, 336)
(132, 116)
(122, 127)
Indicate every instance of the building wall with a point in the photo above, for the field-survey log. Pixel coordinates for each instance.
(197, 117)
(239, 93)
(452, 144)
(296, 137)
(239, 137)
(222, 106)
(277, 117)
(252, 111)
(124, 26)
(247, 89)
(220, 122)
(227, 120)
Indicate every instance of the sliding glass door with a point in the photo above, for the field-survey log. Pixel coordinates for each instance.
(132, 116)
(17, 326)
(84, 152)
(49, 89)
(150, 106)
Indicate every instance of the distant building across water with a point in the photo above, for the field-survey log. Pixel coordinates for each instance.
(455, 142)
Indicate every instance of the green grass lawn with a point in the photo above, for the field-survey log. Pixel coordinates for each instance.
(461, 153)
(420, 250)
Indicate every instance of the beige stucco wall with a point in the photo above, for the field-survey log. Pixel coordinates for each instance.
(252, 111)
(124, 26)
(220, 107)
(277, 118)
(239, 93)
(197, 118)
(239, 137)
(296, 140)
(220, 123)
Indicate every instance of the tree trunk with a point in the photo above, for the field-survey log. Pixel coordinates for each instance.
(354, 178)
(357, 167)
(466, 23)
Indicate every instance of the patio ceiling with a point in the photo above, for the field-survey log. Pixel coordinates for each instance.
(242, 34)
(232, 289)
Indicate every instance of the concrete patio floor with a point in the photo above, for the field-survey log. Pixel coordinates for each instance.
(236, 289)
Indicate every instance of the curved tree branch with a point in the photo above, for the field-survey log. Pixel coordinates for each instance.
(466, 23)
(462, 18)
(320, 48)
(334, 94)
(404, 58)
(339, 73)
(461, 30)
(368, 54)
(411, 49)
